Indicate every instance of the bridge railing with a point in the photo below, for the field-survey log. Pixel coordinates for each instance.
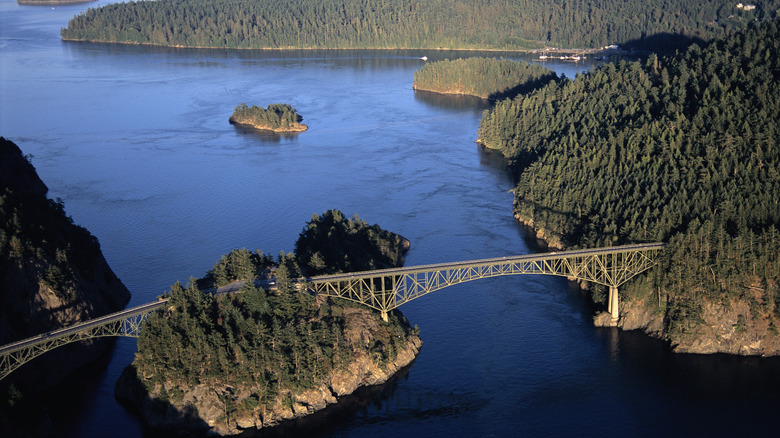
(383, 290)
(123, 323)
(387, 289)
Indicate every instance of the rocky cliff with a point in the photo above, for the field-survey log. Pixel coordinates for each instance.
(731, 326)
(252, 123)
(52, 273)
(202, 408)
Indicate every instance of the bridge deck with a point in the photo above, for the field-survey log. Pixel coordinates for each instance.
(490, 261)
(382, 289)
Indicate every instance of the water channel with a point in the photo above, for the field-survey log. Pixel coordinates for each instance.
(136, 142)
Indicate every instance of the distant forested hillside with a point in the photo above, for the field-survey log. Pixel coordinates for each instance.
(453, 24)
(683, 150)
(487, 78)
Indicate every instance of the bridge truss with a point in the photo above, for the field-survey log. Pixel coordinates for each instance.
(387, 289)
(124, 323)
(383, 290)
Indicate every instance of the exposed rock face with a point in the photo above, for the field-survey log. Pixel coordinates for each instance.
(200, 409)
(252, 123)
(726, 327)
(550, 240)
(52, 273)
(634, 315)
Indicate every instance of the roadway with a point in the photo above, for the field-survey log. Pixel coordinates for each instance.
(489, 261)
(270, 283)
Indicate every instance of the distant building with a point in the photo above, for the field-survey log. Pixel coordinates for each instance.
(745, 7)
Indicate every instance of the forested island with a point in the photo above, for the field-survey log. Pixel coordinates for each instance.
(52, 274)
(250, 360)
(414, 24)
(488, 78)
(278, 117)
(680, 149)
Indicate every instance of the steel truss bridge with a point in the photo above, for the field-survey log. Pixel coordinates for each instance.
(123, 323)
(383, 290)
(387, 289)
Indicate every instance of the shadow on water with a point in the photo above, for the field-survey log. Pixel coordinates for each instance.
(67, 400)
(493, 159)
(707, 378)
(663, 43)
(56, 408)
(452, 102)
(358, 60)
(265, 136)
(368, 406)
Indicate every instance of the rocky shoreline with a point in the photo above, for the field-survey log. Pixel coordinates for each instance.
(724, 327)
(451, 91)
(200, 410)
(248, 123)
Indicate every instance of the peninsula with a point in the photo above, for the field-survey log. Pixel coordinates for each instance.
(278, 117)
(680, 149)
(488, 78)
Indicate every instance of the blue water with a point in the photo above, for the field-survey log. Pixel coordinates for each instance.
(136, 142)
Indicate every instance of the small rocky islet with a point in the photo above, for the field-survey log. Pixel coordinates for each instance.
(278, 117)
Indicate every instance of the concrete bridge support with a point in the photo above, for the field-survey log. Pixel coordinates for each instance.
(612, 304)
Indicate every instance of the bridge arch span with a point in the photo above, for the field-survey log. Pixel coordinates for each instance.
(387, 289)
(123, 323)
(383, 290)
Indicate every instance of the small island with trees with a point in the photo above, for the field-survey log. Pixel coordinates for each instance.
(223, 364)
(278, 117)
(488, 78)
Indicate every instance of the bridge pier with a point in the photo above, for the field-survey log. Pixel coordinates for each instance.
(384, 316)
(612, 303)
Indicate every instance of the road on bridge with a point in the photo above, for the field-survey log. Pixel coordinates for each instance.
(21, 348)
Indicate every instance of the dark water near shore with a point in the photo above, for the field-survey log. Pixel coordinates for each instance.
(136, 142)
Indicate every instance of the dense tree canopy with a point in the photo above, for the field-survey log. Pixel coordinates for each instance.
(488, 78)
(331, 243)
(271, 344)
(681, 149)
(452, 24)
(238, 265)
(277, 117)
(36, 230)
